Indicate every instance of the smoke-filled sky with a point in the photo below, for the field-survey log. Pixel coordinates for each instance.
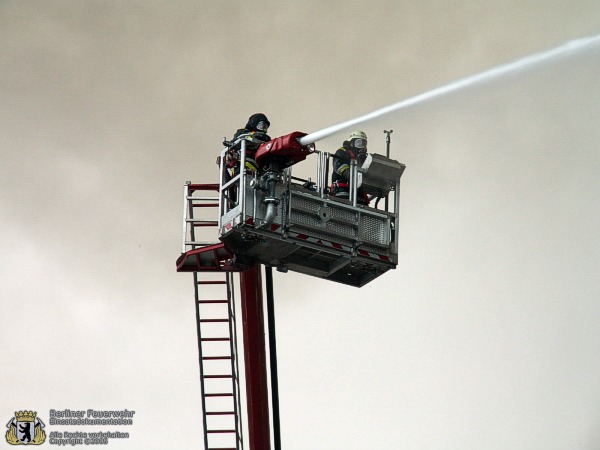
(485, 337)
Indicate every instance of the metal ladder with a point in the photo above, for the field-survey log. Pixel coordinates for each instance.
(215, 318)
(216, 325)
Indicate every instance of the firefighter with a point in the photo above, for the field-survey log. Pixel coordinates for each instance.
(353, 149)
(254, 133)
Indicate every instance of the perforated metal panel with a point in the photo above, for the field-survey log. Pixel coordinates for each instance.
(306, 203)
(339, 219)
(342, 229)
(300, 217)
(343, 214)
(374, 229)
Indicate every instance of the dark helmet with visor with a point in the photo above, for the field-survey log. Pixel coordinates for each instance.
(258, 122)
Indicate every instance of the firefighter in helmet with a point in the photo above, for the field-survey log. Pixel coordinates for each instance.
(353, 149)
(254, 133)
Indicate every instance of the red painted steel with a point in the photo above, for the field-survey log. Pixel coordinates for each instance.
(255, 359)
(216, 257)
(204, 187)
(285, 149)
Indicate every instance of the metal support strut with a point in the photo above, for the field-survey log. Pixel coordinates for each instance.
(257, 394)
(273, 357)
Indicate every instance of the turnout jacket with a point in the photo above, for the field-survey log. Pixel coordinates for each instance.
(341, 163)
(341, 172)
(253, 140)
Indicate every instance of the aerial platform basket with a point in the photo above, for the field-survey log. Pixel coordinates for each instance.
(281, 221)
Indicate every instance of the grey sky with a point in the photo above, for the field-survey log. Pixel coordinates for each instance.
(485, 336)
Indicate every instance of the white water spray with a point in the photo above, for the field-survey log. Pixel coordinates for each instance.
(497, 72)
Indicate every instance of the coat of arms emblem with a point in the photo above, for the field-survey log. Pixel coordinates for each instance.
(25, 428)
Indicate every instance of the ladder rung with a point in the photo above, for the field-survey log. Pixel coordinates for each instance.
(213, 301)
(215, 339)
(218, 376)
(220, 413)
(206, 205)
(215, 357)
(222, 448)
(219, 394)
(214, 320)
(220, 431)
(212, 282)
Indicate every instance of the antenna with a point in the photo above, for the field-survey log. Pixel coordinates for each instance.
(388, 140)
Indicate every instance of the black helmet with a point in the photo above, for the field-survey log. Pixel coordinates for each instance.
(255, 120)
